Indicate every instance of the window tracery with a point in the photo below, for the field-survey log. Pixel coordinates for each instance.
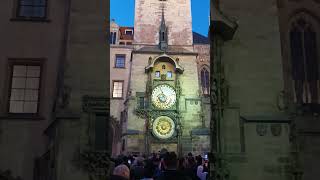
(304, 61)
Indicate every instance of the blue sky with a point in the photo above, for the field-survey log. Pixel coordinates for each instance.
(123, 13)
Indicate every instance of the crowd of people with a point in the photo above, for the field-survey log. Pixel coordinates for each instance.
(162, 166)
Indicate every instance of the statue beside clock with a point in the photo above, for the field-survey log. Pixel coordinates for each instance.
(163, 97)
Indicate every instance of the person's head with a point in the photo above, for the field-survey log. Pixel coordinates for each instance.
(191, 162)
(189, 154)
(170, 160)
(122, 170)
(199, 160)
(139, 161)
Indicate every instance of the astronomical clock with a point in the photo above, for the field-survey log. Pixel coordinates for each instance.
(164, 97)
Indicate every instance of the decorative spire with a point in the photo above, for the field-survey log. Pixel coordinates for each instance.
(163, 33)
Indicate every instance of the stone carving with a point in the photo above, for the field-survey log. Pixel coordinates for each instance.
(281, 101)
(94, 104)
(276, 129)
(261, 129)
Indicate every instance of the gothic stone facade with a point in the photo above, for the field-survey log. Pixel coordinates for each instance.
(183, 58)
(269, 126)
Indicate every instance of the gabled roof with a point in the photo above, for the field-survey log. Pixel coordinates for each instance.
(200, 39)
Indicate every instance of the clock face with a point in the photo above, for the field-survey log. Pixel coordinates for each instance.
(163, 96)
(163, 127)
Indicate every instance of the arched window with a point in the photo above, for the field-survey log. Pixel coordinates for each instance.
(205, 81)
(304, 62)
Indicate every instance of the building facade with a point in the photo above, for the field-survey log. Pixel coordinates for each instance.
(50, 94)
(165, 83)
(266, 59)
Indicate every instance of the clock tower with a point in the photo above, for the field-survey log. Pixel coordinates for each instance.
(164, 100)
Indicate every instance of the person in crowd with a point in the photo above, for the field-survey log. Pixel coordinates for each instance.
(200, 168)
(125, 160)
(137, 169)
(191, 168)
(170, 168)
(181, 164)
(121, 172)
(148, 170)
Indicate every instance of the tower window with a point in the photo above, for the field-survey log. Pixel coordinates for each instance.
(169, 74)
(205, 81)
(157, 74)
(163, 66)
(162, 36)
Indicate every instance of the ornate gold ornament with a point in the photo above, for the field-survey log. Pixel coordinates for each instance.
(163, 127)
(163, 96)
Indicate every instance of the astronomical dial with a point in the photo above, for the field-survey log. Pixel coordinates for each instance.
(163, 96)
(163, 127)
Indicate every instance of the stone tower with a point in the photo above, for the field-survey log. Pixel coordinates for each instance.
(148, 18)
(164, 106)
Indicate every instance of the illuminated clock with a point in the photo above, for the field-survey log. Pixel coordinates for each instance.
(163, 96)
(163, 127)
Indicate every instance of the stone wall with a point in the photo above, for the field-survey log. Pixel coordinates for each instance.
(87, 76)
(177, 17)
(22, 138)
(252, 60)
(117, 105)
(253, 72)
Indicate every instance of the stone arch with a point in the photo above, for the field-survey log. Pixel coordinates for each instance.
(164, 57)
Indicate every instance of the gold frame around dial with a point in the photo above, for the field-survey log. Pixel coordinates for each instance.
(163, 96)
(163, 127)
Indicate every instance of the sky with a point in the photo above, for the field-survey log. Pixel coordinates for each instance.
(123, 13)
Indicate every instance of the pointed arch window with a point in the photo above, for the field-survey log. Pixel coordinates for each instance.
(304, 62)
(162, 36)
(205, 81)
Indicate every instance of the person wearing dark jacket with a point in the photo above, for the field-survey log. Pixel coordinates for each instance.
(170, 172)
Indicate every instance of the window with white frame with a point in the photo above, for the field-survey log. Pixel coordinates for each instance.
(128, 32)
(25, 88)
(117, 90)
